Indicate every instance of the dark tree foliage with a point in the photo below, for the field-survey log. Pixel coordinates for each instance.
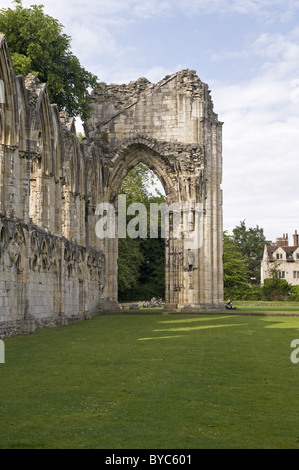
(251, 243)
(234, 268)
(275, 288)
(141, 261)
(38, 45)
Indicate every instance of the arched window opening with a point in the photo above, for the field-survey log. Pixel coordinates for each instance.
(141, 257)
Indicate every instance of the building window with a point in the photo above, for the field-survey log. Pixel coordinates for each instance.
(296, 274)
(279, 256)
(297, 255)
(282, 274)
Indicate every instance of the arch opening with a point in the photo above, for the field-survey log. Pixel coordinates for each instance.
(141, 258)
(133, 155)
(172, 128)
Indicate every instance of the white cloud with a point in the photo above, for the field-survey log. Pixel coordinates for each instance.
(154, 74)
(272, 9)
(260, 112)
(280, 10)
(261, 141)
(263, 10)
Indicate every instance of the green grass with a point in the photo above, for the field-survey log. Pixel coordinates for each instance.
(153, 381)
(267, 308)
(254, 307)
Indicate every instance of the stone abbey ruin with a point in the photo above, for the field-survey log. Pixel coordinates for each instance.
(53, 267)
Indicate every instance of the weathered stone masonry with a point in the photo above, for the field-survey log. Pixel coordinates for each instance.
(53, 268)
(172, 128)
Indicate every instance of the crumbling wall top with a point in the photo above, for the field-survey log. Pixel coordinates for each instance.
(34, 89)
(126, 94)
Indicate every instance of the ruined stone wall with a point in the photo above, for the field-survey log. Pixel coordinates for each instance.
(169, 111)
(172, 128)
(52, 270)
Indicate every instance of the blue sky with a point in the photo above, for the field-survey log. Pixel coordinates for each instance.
(248, 53)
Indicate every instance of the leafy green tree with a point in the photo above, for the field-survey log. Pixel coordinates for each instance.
(129, 262)
(152, 269)
(141, 261)
(274, 287)
(294, 293)
(234, 268)
(137, 185)
(38, 45)
(251, 243)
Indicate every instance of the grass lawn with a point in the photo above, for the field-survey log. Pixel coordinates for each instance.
(267, 308)
(253, 307)
(153, 381)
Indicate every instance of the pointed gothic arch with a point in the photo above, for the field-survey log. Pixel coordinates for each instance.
(172, 128)
(130, 155)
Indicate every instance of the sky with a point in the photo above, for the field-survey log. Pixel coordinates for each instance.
(247, 51)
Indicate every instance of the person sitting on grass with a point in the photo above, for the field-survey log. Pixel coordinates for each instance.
(229, 305)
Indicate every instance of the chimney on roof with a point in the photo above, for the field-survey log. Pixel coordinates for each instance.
(283, 241)
(296, 238)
